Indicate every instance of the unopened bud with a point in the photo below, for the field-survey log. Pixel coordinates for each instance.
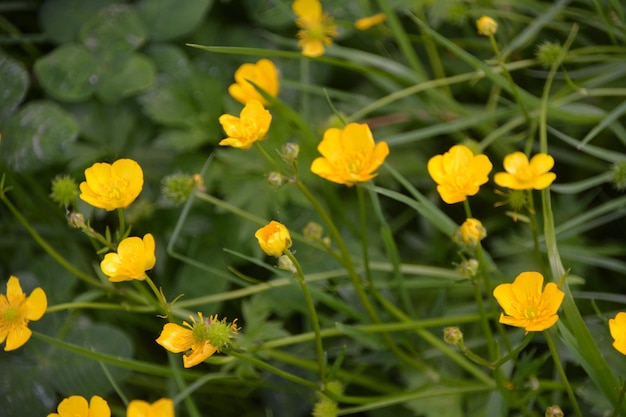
(468, 268)
(470, 233)
(76, 220)
(313, 231)
(275, 179)
(452, 335)
(290, 152)
(286, 264)
(554, 411)
(486, 26)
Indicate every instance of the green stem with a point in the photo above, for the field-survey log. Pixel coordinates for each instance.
(98, 306)
(514, 352)
(46, 246)
(321, 362)
(122, 233)
(279, 372)
(535, 229)
(507, 75)
(305, 79)
(338, 240)
(174, 365)
(115, 385)
(561, 371)
(159, 296)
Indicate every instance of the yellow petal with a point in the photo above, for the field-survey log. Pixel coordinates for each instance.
(17, 337)
(435, 169)
(552, 297)
(163, 408)
(149, 251)
(138, 408)
(98, 407)
(15, 294)
(381, 151)
(544, 181)
(175, 338)
(365, 23)
(527, 284)
(504, 179)
(541, 163)
(311, 9)
(73, 406)
(198, 354)
(36, 304)
(503, 293)
(330, 147)
(450, 195)
(311, 48)
(515, 162)
(479, 168)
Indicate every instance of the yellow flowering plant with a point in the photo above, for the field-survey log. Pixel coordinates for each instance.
(112, 186)
(459, 173)
(251, 126)
(317, 29)
(379, 297)
(263, 74)
(16, 311)
(349, 155)
(527, 304)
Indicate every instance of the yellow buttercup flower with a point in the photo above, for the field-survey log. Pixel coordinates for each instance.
(112, 186)
(486, 26)
(252, 125)
(365, 23)
(470, 233)
(264, 74)
(199, 340)
(617, 327)
(523, 175)
(316, 28)
(16, 310)
(349, 155)
(273, 238)
(459, 173)
(526, 305)
(133, 258)
(160, 408)
(77, 406)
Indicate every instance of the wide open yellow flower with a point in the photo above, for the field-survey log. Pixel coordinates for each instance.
(252, 125)
(133, 258)
(349, 155)
(264, 74)
(526, 304)
(77, 406)
(316, 28)
(617, 327)
(273, 238)
(459, 173)
(523, 175)
(365, 23)
(199, 340)
(112, 186)
(16, 310)
(160, 408)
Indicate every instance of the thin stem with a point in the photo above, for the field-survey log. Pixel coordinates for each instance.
(321, 362)
(47, 247)
(122, 232)
(535, 229)
(561, 371)
(115, 385)
(514, 352)
(159, 296)
(507, 75)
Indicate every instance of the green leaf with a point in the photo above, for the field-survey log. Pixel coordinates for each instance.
(61, 25)
(68, 73)
(115, 30)
(169, 19)
(13, 85)
(75, 375)
(169, 59)
(124, 79)
(181, 140)
(39, 134)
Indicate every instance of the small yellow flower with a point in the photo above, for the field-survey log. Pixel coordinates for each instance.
(264, 74)
(133, 258)
(77, 406)
(349, 155)
(486, 26)
(112, 186)
(617, 326)
(316, 28)
(273, 238)
(526, 304)
(522, 175)
(365, 23)
(16, 310)
(470, 233)
(199, 340)
(160, 408)
(459, 173)
(251, 125)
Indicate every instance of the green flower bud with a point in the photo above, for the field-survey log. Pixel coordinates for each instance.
(554, 411)
(468, 268)
(453, 335)
(619, 175)
(177, 188)
(290, 152)
(548, 53)
(276, 179)
(286, 264)
(64, 191)
(313, 231)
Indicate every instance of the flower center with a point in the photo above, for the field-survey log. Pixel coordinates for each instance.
(200, 333)
(11, 315)
(524, 174)
(531, 312)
